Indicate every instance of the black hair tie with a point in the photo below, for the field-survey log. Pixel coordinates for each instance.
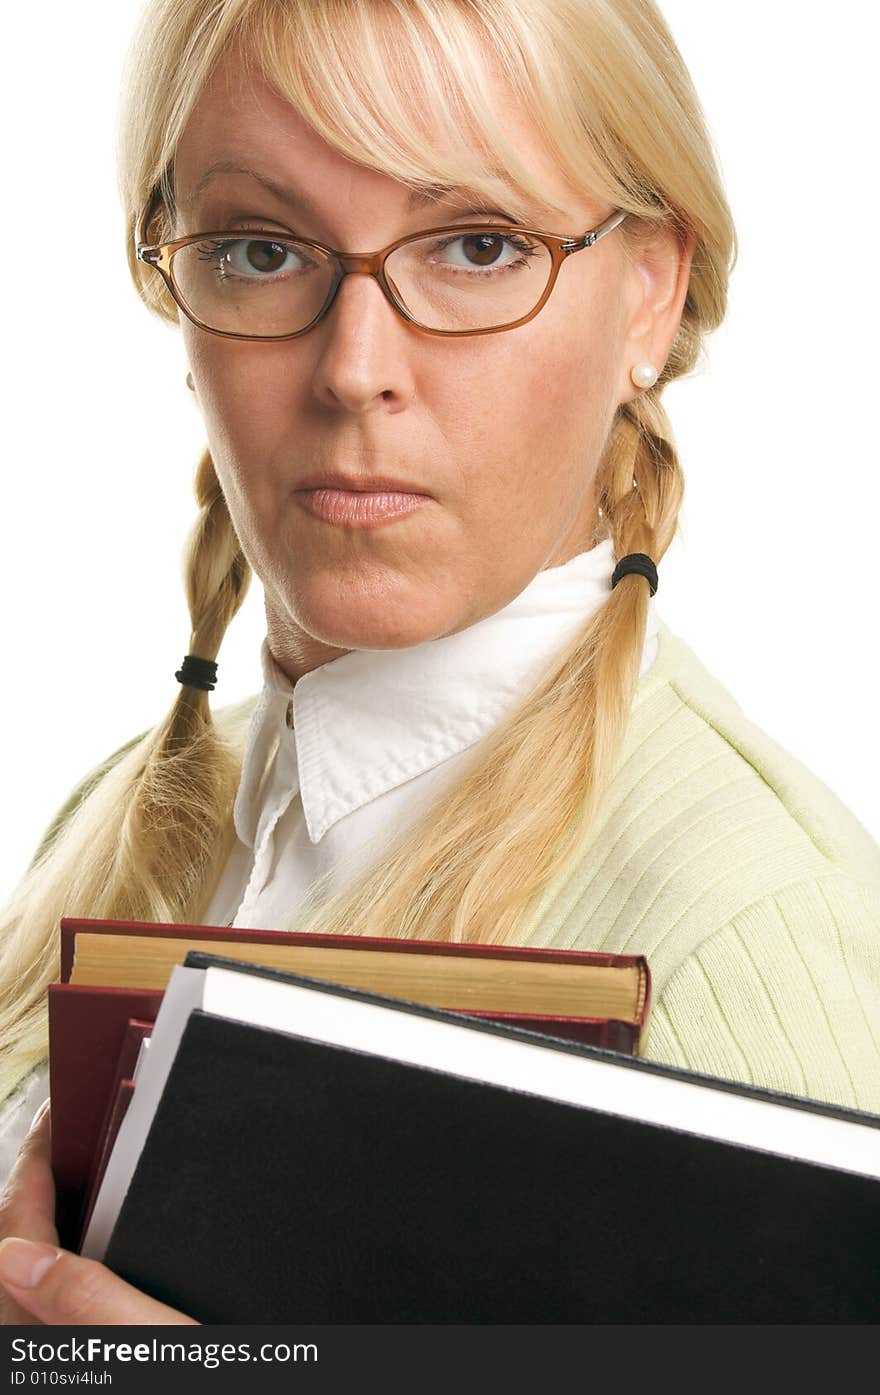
(197, 673)
(640, 564)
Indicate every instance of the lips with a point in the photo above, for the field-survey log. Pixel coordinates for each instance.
(363, 484)
(361, 508)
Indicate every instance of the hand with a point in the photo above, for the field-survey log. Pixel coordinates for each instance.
(52, 1286)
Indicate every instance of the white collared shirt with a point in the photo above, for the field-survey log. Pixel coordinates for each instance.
(339, 764)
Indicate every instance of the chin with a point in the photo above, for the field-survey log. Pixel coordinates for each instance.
(374, 633)
(375, 623)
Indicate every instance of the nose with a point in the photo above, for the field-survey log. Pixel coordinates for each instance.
(363, 341)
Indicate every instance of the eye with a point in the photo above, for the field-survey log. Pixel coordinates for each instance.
(481, 251)
(253, 258)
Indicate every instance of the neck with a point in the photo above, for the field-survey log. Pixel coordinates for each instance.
(294, 651)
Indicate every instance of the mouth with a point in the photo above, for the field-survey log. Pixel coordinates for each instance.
(363, 484)
(361, 508)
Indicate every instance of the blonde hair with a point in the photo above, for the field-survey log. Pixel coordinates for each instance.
(606, 86)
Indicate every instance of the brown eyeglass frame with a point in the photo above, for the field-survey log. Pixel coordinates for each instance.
(159, 255)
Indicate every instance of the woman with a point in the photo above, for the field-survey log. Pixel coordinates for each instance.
(452, 472)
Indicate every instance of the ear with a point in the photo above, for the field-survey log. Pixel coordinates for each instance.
(657, 276)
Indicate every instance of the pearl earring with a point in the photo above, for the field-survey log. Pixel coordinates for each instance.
(644, 375)
(189, 382)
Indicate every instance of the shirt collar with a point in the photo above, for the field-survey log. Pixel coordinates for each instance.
(373, 719)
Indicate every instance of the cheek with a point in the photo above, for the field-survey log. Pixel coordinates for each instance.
(540, 424)
(242, 412)
(573, 396)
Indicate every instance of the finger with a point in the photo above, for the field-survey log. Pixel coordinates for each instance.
(26, 1207)
(58, 1287)
(27, 1204)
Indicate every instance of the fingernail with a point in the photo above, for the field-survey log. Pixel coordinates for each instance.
(39, 1114)
(23, 1262)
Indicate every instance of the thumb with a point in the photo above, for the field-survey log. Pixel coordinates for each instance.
(64, 1289)
(27, 1205)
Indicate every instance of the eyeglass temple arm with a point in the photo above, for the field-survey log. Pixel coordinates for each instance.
(140, 232)
(610, 223)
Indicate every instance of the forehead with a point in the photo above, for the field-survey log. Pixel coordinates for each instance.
(241, 119)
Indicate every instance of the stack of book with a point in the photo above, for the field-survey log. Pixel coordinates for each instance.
(330, 1142)
(113, 975)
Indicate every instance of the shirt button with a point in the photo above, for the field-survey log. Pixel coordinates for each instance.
(288, 716)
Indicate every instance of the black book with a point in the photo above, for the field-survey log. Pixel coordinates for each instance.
(302, 1152)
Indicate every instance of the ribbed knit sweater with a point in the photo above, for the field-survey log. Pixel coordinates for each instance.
(751, 888)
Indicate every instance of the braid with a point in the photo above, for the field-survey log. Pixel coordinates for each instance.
(639, 490)
(179, 816)
(217, 573)
(641, 484)
(145, 838)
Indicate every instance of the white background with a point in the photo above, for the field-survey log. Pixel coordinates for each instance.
(773, 578)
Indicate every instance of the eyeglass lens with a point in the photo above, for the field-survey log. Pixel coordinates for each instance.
(454, 281)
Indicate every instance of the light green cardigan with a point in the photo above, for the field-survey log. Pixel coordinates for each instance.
(750, 887)
(752, 890)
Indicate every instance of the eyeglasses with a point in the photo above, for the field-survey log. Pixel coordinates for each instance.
(256, 283)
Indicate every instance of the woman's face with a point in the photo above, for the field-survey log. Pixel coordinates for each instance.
(503, 431)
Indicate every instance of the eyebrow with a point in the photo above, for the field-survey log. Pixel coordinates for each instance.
(417, 199)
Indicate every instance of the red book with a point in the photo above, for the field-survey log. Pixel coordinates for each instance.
(92, 1031)
(87, 1027)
